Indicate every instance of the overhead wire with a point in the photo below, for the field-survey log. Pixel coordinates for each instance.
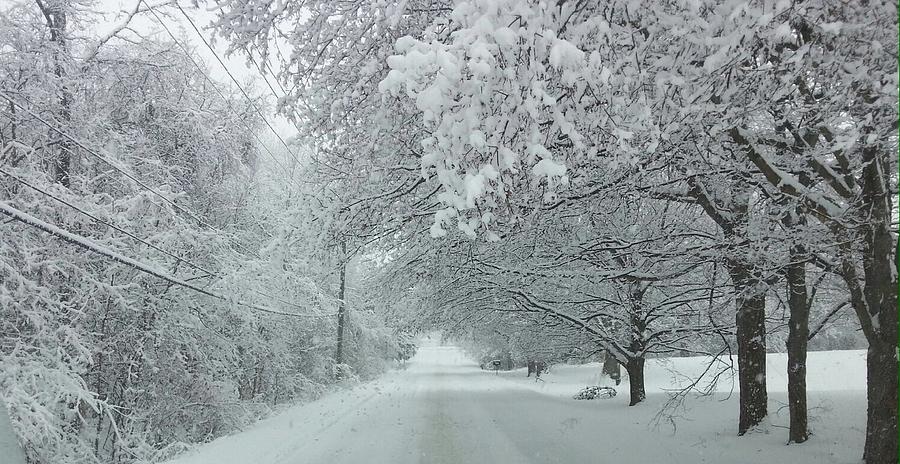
(190, 57)
(81, 240)
(90, 245)
(234, 80)
(180, 259)
(106, 223)
(212, 84)
(262, 74)
(236, 83)
(100, 157)
(122, 171)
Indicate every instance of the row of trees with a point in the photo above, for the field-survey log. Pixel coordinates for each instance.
(647, 174)
(126, 142)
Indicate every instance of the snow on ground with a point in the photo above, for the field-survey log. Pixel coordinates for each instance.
(444, 409)
(827, 371)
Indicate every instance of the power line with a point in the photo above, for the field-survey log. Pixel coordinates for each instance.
(101, 221)
(90, 245)
(212, 84)
(116, 167)
(259, 68)
(236, 83)
(275, 94)
(135, 237)
(178, 207)
(262, 74)
(47, 227)
(266, 63)
(100, 157)
(188, 54)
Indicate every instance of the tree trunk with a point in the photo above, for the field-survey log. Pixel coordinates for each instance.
(750, 302)
(63, 162)
(878, 304)
(798, 333)
(635, 364)
(635, 369)
(57, 22)
(751, 343)
(876, 307)
(881, 420)
(342, 308)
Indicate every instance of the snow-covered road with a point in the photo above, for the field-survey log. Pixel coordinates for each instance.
(444, 409)
(441, 409)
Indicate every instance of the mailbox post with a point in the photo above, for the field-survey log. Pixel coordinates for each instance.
(496, 365)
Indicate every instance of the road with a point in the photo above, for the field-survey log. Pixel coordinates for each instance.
(441, 409)
(444, 409)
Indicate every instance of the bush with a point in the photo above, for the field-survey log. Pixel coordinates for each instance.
(594, 392)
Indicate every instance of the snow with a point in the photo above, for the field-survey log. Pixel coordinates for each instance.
(444, 409)
(9, 444)
(565, 54)
(832, 27)
(505, 37)
(514, 103)
(392, 81)
(430, 100)
(476, 139)
(548, 167)
(436, 230)
(826, 371)
(508, 158)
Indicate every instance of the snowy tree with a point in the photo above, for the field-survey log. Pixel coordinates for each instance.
(542, 181)
(625, 282)
(566, 85)
(101, 362)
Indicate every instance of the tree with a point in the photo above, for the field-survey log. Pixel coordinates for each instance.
(629, 283)
(100, 362)
(733, 107)
(612, 81)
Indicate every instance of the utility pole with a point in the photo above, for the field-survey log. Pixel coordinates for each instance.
(342, 306)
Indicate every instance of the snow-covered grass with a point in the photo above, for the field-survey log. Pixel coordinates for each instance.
(444, 409)
(836, 383)
(826, 371)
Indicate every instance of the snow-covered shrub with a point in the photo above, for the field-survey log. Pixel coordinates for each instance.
(595, 392)
(344, 373)
(373, 346)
